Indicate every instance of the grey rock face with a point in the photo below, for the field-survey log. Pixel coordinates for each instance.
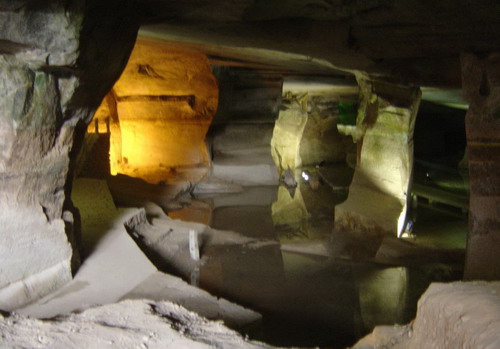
(56, 63)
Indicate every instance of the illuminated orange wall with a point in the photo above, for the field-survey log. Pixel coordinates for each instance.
(165, 101)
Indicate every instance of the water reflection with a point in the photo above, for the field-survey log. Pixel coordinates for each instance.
(382, 295)
(305, 300)
(307, 211)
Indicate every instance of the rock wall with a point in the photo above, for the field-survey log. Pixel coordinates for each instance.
(241, 133)
(160, 110)
(481, 87)
(379, 191)
(57, 60)
(128, 324)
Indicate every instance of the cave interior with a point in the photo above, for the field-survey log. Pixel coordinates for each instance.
(301, 170)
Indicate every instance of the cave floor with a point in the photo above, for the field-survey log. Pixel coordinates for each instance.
(306, 297)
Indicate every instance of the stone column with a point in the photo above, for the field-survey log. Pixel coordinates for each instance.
(380, 189)
(481, 88)
(305, 133)
(57, 61)
(288, 130)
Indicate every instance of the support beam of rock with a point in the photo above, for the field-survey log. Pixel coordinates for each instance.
(288, 131)
(379, 192)
(306, 132)
(59, 62)
(481, 88)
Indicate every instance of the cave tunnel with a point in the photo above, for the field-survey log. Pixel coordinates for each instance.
(300, 173)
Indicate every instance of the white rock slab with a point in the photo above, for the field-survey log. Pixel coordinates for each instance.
(128, 324)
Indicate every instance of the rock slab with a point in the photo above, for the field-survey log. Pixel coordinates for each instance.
(128, 324)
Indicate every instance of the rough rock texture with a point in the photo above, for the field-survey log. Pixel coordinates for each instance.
(481, 87)
(160, 110)
(49, 56)
(128, 324)
(160, 287)
(378, 194)
(287, 133)
(455, 315)
(306, 130)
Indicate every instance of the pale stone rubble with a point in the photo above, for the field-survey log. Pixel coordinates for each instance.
(127, 324)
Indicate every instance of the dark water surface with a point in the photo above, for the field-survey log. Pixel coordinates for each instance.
(305, 299)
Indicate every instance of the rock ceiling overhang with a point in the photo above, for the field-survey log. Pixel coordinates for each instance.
(224, 53)
(407, 41)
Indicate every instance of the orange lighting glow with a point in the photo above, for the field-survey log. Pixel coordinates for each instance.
(159, 111)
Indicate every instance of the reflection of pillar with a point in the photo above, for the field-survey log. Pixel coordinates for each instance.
(382, 295)
(290, 210)
(481, 88)
(379, 193)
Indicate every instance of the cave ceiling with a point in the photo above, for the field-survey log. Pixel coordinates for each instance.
(408, 41)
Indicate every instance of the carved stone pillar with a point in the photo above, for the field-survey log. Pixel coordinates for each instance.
(481, 88)
(57, 60)
(379, 192)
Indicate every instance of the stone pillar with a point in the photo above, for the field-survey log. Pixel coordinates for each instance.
(288, 130)
(481, 88)
(380, 189)
(57, 61)
(305, 133)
